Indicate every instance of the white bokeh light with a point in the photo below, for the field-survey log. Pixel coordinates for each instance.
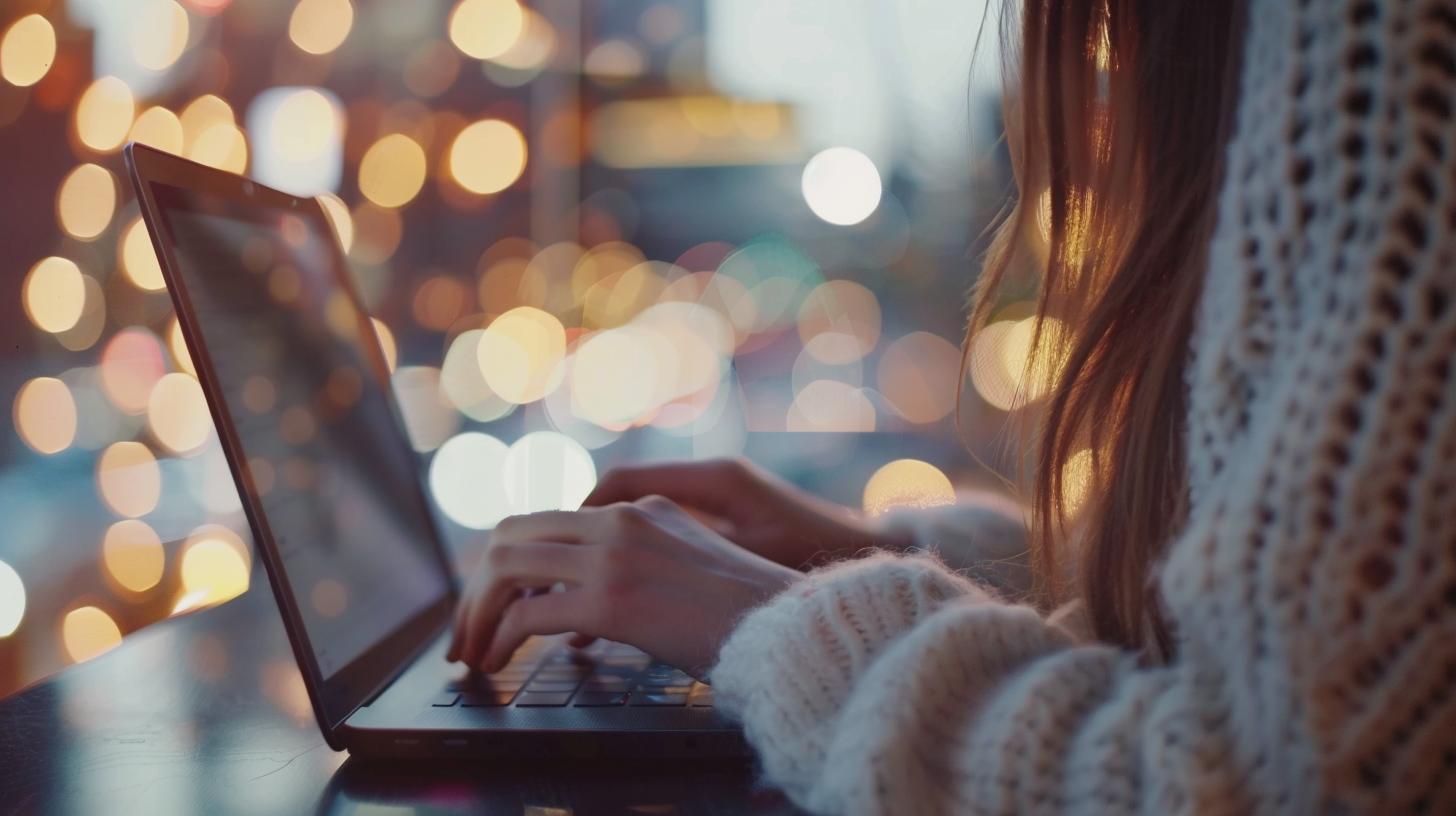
(467, 479)
(298, 139)
(547, 470)
(12, 600)
(842, 186)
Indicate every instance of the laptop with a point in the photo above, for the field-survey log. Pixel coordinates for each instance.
(299, 392)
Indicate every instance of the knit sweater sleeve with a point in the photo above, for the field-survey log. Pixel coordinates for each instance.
(1312, 591)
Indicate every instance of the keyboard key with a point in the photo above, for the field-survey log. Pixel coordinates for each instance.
(631, 662)
(651, 699)
(560, 675)
(487, 699)
(538, 699)
(600, 699)
(613, 684)
(652, 689)
(547, 685)
(445, 699)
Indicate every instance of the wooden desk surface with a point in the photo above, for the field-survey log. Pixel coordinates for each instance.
(207, 714)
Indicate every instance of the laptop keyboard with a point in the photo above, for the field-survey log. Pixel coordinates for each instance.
(543, 674)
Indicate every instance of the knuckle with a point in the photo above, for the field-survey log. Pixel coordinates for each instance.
(655, 503)
(630, 518)
(498, 555)
(506, 527)
(733, 468)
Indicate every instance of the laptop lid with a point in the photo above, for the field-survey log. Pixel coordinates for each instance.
(299, 392)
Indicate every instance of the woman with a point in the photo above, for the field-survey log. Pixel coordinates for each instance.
(1253, 242)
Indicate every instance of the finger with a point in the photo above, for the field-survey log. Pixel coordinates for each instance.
(547, 614)
(553, 525)
(580, 641)
(710, 486)
(513, 567)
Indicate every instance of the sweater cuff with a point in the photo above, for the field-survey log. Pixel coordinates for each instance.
(984, 536)
(789, 666)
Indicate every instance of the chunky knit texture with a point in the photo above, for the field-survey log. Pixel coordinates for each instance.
(1313, 588)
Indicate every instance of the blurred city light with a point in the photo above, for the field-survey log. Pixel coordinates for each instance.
(320, 26)
(128, 479)
(485, 29)
(54, 294)
(86, 201)
(841, 186)
(87, 632)
(488, 156)
(45, 415)
(133, 556)
(392, 171)
(467, 479)
(907, 483)
(104, 114)
(27, 50)
(12, 600)
(298, 140)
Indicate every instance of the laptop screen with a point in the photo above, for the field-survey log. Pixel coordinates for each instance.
(336, 480)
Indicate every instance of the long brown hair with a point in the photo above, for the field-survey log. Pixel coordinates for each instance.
(1116, 115)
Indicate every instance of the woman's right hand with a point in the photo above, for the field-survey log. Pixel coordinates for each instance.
(752, 508)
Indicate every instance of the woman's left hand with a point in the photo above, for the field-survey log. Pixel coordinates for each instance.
(645, 573)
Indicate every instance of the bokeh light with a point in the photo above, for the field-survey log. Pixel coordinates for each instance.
(844, 308)
(215, 566)
(392, 171)
(159, 30)
(486, 28)
(45, 415)
(831, 406)
(462, 379)
(177, 413)
(615, 375)
(547, 470)
(131, 364)
(320, 26)
(841, 185)
(907, 483)
(223, 146)
(467, 479)
(488, 156)
(132, 554)
(298, 139)
(54, 294)
(1001, 365)
(139, 259)
(920, 375)
(520, 353)
(159, 128)
(27, 50)
(12, 600)
(104, 114)
(86, 201)
(87, 632)
(128, 478)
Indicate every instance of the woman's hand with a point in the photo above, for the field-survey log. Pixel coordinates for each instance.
(645, 573)
(750, 507)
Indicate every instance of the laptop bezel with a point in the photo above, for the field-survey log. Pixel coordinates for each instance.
(335, 698)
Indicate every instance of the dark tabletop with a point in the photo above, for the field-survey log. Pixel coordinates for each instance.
(207, 714)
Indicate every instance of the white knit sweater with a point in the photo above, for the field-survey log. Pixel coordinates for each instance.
(1313, 590)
